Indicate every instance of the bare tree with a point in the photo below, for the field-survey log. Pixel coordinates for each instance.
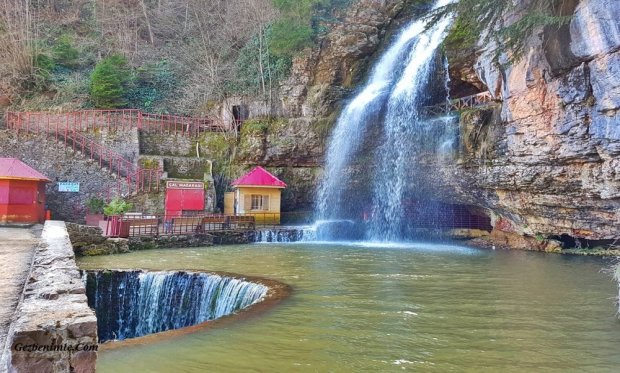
(17, 47)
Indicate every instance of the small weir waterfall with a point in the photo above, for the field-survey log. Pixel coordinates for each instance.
(393, 96)
(131, 304)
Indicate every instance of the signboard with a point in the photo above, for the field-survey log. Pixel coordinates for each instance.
(185, 185)
(67, 186)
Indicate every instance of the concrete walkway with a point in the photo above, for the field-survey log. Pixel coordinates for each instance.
(16, 249)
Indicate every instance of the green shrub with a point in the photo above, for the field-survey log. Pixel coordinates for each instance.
(299, 24)
(150, 84)
(95, 205)
(64, 53)
(290, 36)
(256, 126)
(108, 82)
(117, 206)
(42, 73)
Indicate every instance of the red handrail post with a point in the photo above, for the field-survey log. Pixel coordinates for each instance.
(66, 129)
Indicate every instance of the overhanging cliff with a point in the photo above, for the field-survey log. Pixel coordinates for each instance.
(547, 161)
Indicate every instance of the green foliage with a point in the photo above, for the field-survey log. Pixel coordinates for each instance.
(44, 65)
(64, 53)
(217, 146)
(256, 125)
(117, 206)
(300, 23)
(477, 16)
(290, 36)
(108, 82)
(302, 9)
(461, 35)
(95, 205)
(149, 163)
(248, 77)
(149, 85)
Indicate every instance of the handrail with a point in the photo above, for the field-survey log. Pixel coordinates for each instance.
(136, 178)
(177, 223)
(85, 120)
(477, 100)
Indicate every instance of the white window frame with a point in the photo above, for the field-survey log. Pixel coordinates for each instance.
(257, 202)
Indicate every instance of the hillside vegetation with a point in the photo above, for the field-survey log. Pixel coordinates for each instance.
(156, 55)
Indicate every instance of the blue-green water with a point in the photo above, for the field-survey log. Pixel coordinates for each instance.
(420, 307)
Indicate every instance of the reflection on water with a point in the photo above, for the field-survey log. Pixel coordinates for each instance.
(372, 308)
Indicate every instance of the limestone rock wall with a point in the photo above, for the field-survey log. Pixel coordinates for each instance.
(551, 163)
(54, 312)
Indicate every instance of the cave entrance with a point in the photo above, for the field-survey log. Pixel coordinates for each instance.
(430, 214)
(240, 114)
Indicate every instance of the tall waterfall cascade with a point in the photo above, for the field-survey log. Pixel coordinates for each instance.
(132, 304)
(393, 96)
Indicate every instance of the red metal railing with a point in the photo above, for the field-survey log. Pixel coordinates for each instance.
(86, 120)
(137, 224)
(166, 225)
(131, 178)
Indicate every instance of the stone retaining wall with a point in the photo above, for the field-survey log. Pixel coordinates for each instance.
(89, 241)
(59, 164)
(53, 311)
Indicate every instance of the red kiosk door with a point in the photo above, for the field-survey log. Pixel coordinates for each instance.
(184, 196)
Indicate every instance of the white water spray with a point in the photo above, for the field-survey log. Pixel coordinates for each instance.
(397, 82)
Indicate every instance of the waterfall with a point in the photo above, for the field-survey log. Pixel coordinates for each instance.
(289, 234)
(404, 126)
(392, 96)
(131, 304)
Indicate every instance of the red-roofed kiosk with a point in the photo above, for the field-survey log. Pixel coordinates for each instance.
(22, 192)
(256, 193)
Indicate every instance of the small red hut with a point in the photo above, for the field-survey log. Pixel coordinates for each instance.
(22, 192)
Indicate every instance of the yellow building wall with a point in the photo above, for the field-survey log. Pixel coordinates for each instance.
(229, 203)
(269, 216)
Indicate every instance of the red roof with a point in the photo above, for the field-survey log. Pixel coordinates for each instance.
(259, 177)
(13, 168)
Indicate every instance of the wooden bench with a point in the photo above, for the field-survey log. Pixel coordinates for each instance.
(215, 222)
(189, 224)
(242, 221)
(143, 227)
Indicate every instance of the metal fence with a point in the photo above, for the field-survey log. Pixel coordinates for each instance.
(123, 119)
(132, 179)
(153, 225)
(477, 100)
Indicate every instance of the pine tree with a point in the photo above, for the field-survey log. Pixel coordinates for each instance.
(108, 80)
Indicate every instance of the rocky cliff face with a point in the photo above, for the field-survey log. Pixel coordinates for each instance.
(543, 162)
(548, 162)
(293, 146)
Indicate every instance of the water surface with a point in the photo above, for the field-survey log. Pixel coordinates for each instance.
(374, 308)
